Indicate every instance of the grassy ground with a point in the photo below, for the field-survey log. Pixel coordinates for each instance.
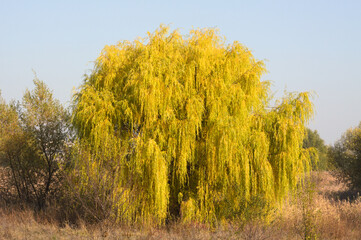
(324, 209)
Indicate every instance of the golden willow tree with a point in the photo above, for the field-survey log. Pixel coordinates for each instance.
(181, 126)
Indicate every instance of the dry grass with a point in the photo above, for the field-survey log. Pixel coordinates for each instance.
(324, 209)
(23, 225)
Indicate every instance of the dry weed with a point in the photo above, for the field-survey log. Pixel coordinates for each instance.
(317, 212)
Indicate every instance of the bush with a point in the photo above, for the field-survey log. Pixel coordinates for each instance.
(346, 156)
(313, 140)
(33, 141)
(90, 193)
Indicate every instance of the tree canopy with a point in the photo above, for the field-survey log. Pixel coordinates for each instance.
(182, 126)
(32, 142)
(346, 156)
(313, 140)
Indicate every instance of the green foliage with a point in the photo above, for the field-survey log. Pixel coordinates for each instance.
(346, 156)
(182, 125)
(313, 140)
(32, 139)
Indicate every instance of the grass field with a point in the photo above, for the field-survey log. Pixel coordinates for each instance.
(324, 209)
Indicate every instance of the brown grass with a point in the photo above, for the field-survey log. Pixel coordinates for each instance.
(323, 209)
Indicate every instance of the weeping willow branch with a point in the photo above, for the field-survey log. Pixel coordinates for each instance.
(188, 120)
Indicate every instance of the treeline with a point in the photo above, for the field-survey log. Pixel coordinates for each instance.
(343, 158)
(165, 128)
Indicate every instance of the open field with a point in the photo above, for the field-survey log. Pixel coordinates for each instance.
(325, 209)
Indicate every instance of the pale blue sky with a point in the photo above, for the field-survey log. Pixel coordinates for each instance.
(309, 45)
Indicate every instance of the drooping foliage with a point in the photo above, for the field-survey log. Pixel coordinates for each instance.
(183, 126)
(313, 140)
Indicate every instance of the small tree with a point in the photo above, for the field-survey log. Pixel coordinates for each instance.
(13, 149)
(346, 156)
(33, 140)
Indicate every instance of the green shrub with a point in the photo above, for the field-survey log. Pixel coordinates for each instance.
(346, 156)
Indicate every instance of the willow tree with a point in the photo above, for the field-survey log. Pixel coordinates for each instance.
(183, 125)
